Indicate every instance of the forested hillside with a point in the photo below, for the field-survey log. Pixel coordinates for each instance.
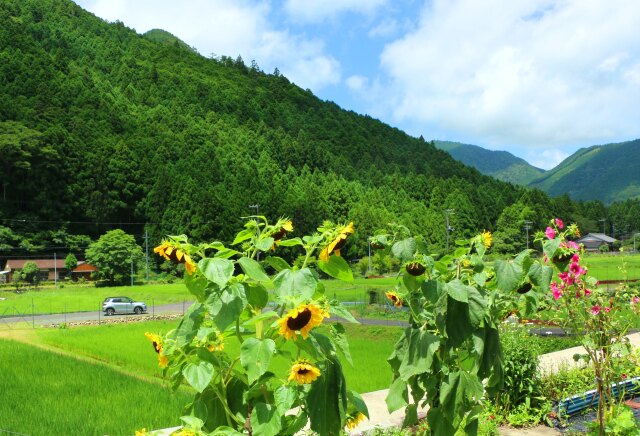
(101, 125)
(499, 164)
(605, 172)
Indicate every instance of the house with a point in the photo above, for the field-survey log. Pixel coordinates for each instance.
(593, 241)
(50, 269)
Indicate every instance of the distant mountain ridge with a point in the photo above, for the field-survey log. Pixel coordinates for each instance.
(499, 164)
(601, 172)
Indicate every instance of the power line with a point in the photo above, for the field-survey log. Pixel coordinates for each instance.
(95, 222)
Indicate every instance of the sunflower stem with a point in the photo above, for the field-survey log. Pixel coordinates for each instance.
(238, 335)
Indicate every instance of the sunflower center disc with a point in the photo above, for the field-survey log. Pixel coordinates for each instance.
(300, 321)
(303, 371)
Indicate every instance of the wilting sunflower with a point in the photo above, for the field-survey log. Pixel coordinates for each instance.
(354, 420)
(337, 243)
(395, 298)
(287, 227)
(301, 319)
(163, 360)
(303, 372)
(172, 253)
(487, 238)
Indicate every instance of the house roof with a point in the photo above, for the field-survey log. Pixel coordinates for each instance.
(593, 237)
(42, 263)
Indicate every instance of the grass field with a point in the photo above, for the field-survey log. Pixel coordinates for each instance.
(125, 346)
(81, 299)
(44, 393)
(607, 267)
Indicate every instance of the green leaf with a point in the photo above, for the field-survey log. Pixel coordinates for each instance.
(196, 285)
(327, 399)
(255, 357)
(253, 269)
(550, 247)
(265, 420)
(242, 236)
(198, 375)
(277, 263)
(540, 275)
(224, 307)
(458, 393)
(337, 309)
(420, 353)
(337, 268)
(291, 242)
(398, 395)
(290, 283)
(265, 244)
(284, 397)
(355, 400)
(225, 431)
(217, 270)
(410, 416)
(458, 291)
(340, 339)
(508, 275)
(404, 250)
(477, 307)
(257, 295)
(189, 325)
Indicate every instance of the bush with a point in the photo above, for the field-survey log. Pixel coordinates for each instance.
(521, 381)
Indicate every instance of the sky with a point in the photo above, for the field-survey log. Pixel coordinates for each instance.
(537, 78)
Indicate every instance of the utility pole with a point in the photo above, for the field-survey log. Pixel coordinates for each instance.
(146, 248)
(448, 227)
(527, 227)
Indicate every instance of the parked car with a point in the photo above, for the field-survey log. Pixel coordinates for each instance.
(113, 305)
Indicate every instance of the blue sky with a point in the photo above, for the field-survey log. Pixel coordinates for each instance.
(538, 78)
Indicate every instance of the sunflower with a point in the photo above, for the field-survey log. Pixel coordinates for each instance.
(217, 345)
(287, 227)
(183, 432)
(335, 245)
(487, 238)
(354, 420)
(163, 360)
(395, 298)
(141, 432)
(303, 372)
(301, 319)
(174, 254)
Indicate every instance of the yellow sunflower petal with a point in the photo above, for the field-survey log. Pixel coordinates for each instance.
(288, 226)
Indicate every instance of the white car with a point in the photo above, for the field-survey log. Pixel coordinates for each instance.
(113, 305)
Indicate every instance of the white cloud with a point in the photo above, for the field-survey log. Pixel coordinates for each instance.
(314, 11)
(385, 28)
(539, 74)
(357, 83)
(546, 159)
(230, 28)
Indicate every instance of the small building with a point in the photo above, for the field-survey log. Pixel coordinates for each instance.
(50, 269)
(593, 241)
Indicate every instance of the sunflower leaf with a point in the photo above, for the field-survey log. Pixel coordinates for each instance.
(243, 236)
(265, 420)
(265, 244)
(217, 270)
(291, 242)
(253, 269)
(327, 399)
(301, 283)
(277, 263)
(337, 268)
(340, 340)
(198, 375)
(337, 309)
(404, 250)
(284, 397)
(255, 356)
(224, 307)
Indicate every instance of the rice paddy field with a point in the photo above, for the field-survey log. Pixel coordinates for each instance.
(106, 380)
(45, 393)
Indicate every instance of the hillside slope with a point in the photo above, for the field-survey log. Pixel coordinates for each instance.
(603, 172)
(499, 164)
(101, 125)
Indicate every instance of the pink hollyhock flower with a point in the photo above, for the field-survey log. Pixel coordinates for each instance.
(635, 300)
(559, 223)
(587, 292)
(545, 258)
(606, 309)
(574, 268)
(595, 310)
(573, 245)
(575, 258)
(550, 233)
(566, 278)
(557, 293)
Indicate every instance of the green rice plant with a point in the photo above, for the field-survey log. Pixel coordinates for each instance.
(125, 346)
(45, 393)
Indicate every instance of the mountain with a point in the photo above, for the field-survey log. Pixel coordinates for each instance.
(101, 127)
(499, 164)
(603, 172)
